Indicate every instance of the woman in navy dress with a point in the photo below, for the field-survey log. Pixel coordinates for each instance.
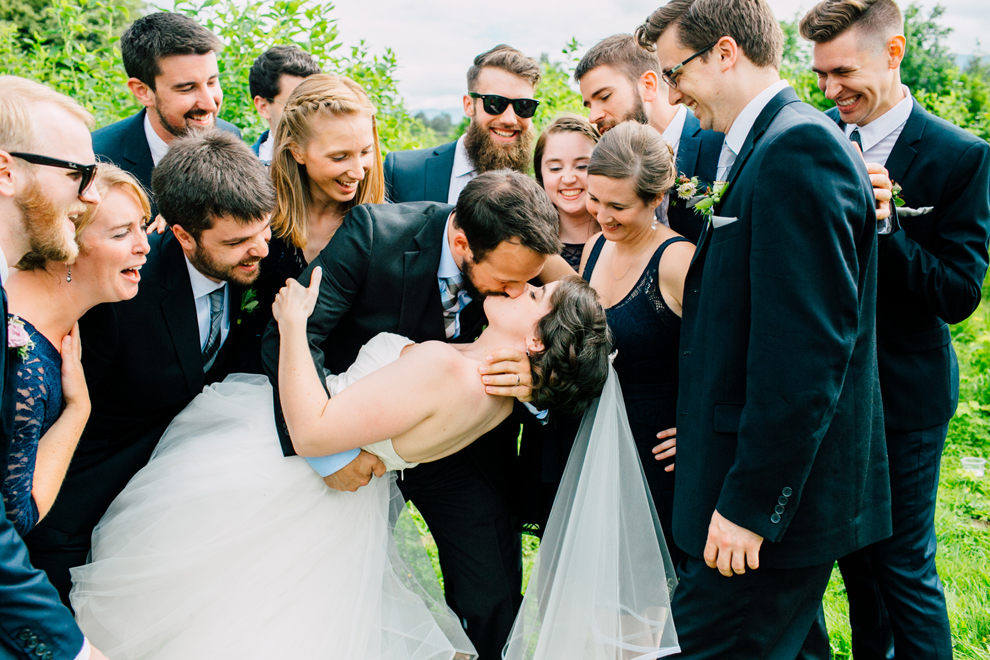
(46, 300)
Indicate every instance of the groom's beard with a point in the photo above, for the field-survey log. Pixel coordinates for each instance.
(486, 155)
(472, 289)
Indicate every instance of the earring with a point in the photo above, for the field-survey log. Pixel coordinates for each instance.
(68, 273)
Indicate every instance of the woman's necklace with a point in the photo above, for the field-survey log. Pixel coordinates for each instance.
(611, 258)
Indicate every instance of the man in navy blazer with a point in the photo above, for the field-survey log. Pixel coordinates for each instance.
(930, 274)
(620, 82)
(171, 62)
(493, 140)
(273, 77)
(36, 123)
(781, 462)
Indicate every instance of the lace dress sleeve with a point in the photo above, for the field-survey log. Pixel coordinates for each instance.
(35, 412)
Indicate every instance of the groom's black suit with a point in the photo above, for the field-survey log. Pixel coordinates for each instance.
(780, 427)
(143, 365)
(380, 275)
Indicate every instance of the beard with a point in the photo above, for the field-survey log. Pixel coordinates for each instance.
(204, 262)
(487, 155)
(473, 289)
(637, 113)
(44, 223)
(178, 130)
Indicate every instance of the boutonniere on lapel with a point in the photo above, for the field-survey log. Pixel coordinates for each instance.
(705, 205)
(249, 302)
(895, 194)
(18, 338)
(686, 188)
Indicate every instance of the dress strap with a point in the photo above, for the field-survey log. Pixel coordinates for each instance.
(596, 251)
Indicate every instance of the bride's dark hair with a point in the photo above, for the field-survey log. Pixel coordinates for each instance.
(573, 365)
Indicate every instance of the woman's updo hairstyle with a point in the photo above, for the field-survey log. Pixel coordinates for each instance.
(563, 124)
(573, 365)
(635, 151)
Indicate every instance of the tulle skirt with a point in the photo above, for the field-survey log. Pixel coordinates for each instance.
(222, 548)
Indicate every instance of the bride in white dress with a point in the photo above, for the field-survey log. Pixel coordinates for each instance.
(222, 548)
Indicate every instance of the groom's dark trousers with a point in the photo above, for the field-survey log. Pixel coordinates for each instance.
(780, 427)
(930, 274)
(380, 275)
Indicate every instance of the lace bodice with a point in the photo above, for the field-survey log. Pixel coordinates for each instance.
(39, 404)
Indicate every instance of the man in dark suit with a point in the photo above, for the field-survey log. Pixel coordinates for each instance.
(620, 82)
(501, 84)
(172, 66)
(274, 75)
(781, 463)
(425, 279)
(40, 194)
(930, 274)
(146, 358)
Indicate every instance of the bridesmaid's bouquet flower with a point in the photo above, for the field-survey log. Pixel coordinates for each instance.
(18, 338)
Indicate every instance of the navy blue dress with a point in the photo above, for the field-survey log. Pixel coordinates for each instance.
(647, 335)
(39, 404)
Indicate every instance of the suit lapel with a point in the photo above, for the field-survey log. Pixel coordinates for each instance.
(438, 169)
(137, 153)
(689, 146)
(420, 290)
(904, 152)
(179, 310)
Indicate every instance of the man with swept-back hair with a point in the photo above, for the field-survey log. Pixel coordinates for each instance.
(171, 64)
(273, 77)
(146, 358)
(501, 84)
(781, 464)
(620, 81)
(930, 274)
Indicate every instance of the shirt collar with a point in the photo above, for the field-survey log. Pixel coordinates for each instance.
(672, 134)
(448, 267)
(462, 164)
(743, 124)
(155, 143)
(201, 284)
(4, 268)
(885, 124)
(265, 148)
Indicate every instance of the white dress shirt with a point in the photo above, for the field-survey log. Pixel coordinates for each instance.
(202, 287)
(672, 134)
(155, 143)
(461, 173)
(742, 126)
(265, 149)
(4, 268)
(880, 135)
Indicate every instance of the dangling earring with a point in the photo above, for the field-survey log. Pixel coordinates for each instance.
(68, 273)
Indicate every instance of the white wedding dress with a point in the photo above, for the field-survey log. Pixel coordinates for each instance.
(222, 548)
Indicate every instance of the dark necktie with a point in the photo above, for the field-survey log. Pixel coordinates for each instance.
(216, 317)
(855, 137)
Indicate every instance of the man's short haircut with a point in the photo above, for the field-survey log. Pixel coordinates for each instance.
(700, 23)
(508, 59)
(18, 98)
(158, 35)
(263, 80)
(211, 174)
(504, 205)
(622, 53)
(877, 20)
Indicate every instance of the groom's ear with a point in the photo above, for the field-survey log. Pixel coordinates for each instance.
(461, 246)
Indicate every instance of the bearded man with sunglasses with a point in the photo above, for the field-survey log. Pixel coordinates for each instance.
(501, 85)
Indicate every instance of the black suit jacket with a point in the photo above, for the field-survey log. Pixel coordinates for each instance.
(380, 275)
(31, 613)
(125, 144)
(143, 365)
(779, 418)
(697, 155)
(930, 273)
(419, 176)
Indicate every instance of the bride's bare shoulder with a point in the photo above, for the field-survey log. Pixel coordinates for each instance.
(441, 359)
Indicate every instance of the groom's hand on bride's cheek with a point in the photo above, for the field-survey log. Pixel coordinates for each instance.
(357, 473)
(731, 548)
(508, 374)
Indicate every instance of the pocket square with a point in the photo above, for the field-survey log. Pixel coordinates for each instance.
(720, 221)
(909, 212)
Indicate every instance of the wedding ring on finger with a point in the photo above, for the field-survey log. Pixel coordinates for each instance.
(518, 380)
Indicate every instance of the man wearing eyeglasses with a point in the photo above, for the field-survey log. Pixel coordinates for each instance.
(501, 85)
(40, 197)
(781, 460)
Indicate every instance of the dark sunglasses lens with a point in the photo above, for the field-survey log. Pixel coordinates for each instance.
(495, 105)
(525, 108)
(88, 175)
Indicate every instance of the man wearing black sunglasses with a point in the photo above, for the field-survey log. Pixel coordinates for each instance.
(501, 86)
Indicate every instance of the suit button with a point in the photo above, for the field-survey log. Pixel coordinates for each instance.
(40, 650)
(779, 508)
(775, 518)
(781, 500)
(48, 656)
(32, 642)
(686, 353)
(25, 635)
(787, 492)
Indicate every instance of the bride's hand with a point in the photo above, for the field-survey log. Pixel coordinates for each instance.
(294, 303)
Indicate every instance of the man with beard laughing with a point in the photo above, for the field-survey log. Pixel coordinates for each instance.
(171, 62)
(501, 85)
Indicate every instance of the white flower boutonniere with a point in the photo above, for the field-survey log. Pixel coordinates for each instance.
(18, 338)
(686, 188)
(706, 205)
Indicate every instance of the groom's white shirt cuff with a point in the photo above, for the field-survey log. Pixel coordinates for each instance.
(327, 465)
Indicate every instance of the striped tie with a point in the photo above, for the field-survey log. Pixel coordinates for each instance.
(453, 302)
(213, 341)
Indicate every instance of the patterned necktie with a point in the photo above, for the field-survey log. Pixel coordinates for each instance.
(451, 291)
(216, 317)
(725, 161)
(857, 138)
